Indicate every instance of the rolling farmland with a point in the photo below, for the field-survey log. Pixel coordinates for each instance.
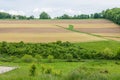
(43, 31)
(100, 27)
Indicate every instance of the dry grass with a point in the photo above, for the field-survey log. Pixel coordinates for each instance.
(109, 34)
(48, 37)
(104, 28)
(116, 39)
(27, 26)
(112, 36)
(87, 25)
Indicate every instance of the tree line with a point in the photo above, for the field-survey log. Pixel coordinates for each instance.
(81, 16)
(4, 15)
(45, 15)
(112, 14)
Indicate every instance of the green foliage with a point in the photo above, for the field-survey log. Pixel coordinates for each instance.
(27, 58)
(4, 15)
(50, 70)
(69, 57)
(87, 70)
(38, 57)
(112, 14)
(46, 69)
(85, 73)
(44, 15)
(71, 27)
(57, 72)
(59, 50)
(33, 70)
(64, 16)
(31, 17)
(107, 53)
(75, 75)
(81, 16)
(50, 58)
(118, 54)
(97, 15)
(9, 59)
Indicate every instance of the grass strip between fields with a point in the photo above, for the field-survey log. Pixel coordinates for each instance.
(83, 32)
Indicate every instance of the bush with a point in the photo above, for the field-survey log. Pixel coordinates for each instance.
(69, 57)
(27, 58)
(71, 27)
(107, 53)
(49, 70)
(118, 54)
(9, 59)
(38, 58)
(57, 72)
(46, 69)
(74, 75)
(12, 58)
(33, 70)
(50, 58)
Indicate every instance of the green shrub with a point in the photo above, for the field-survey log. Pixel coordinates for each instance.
(46, 69)
(9, 59)
(33, 70)
(12, 58)
(85, 73)
(74, 75)
(50, 58)
(69, 57)
(118, 54)
(50, 70)
(43, 67)
(71, 27)
(57, 72)
(38, 58)
(27, 58)
(107, 53)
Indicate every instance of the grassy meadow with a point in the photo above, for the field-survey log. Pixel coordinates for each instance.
(85, 69)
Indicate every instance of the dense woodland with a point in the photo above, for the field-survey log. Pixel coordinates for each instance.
(112, 14)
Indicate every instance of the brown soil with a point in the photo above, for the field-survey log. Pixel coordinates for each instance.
(33, 30)
(90, 21)
(100, 30)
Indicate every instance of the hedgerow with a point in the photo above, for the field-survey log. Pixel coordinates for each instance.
(59, 50)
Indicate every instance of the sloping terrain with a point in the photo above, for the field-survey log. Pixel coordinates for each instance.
(41, 31)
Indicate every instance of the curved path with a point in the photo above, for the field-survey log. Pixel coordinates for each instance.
(4, 69)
